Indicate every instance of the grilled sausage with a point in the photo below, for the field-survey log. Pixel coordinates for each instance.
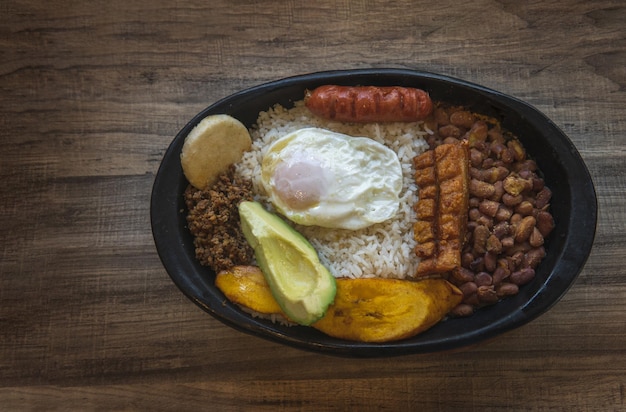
(363, 104)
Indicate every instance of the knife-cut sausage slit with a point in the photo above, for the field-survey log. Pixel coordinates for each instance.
(442, 175)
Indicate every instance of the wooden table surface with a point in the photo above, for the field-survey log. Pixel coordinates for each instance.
(91, 95)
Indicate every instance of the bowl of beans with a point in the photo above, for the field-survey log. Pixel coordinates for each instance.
(528, 228)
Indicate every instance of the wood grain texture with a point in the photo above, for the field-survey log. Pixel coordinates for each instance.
(91, 95)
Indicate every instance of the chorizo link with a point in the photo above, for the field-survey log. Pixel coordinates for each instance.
(363, 104)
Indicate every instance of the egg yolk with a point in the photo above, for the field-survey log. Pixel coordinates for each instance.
(301, 183)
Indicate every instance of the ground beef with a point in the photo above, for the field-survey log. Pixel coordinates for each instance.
(213, 220)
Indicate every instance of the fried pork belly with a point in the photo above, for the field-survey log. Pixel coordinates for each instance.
(442, 175)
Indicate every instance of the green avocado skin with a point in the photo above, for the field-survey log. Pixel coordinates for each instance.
(301, 285)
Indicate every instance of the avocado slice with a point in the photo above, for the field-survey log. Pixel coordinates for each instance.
(301, 285)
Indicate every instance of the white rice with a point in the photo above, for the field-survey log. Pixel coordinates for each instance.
(382, 250)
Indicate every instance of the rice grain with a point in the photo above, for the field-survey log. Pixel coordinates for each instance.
(382, 250)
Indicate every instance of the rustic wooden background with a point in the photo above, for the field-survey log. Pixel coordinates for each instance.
(92, 93)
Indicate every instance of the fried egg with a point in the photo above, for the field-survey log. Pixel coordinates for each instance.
(318, 177)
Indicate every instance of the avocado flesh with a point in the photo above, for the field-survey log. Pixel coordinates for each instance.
(301, 285)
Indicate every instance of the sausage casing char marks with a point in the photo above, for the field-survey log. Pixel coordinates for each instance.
(362, 104)
(443, 178)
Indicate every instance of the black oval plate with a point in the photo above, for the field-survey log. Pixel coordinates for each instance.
(574, 207)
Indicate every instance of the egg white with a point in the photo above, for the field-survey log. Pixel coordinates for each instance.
(316, 177)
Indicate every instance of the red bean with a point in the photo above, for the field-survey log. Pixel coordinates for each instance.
(508, 217)
(523, 276)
